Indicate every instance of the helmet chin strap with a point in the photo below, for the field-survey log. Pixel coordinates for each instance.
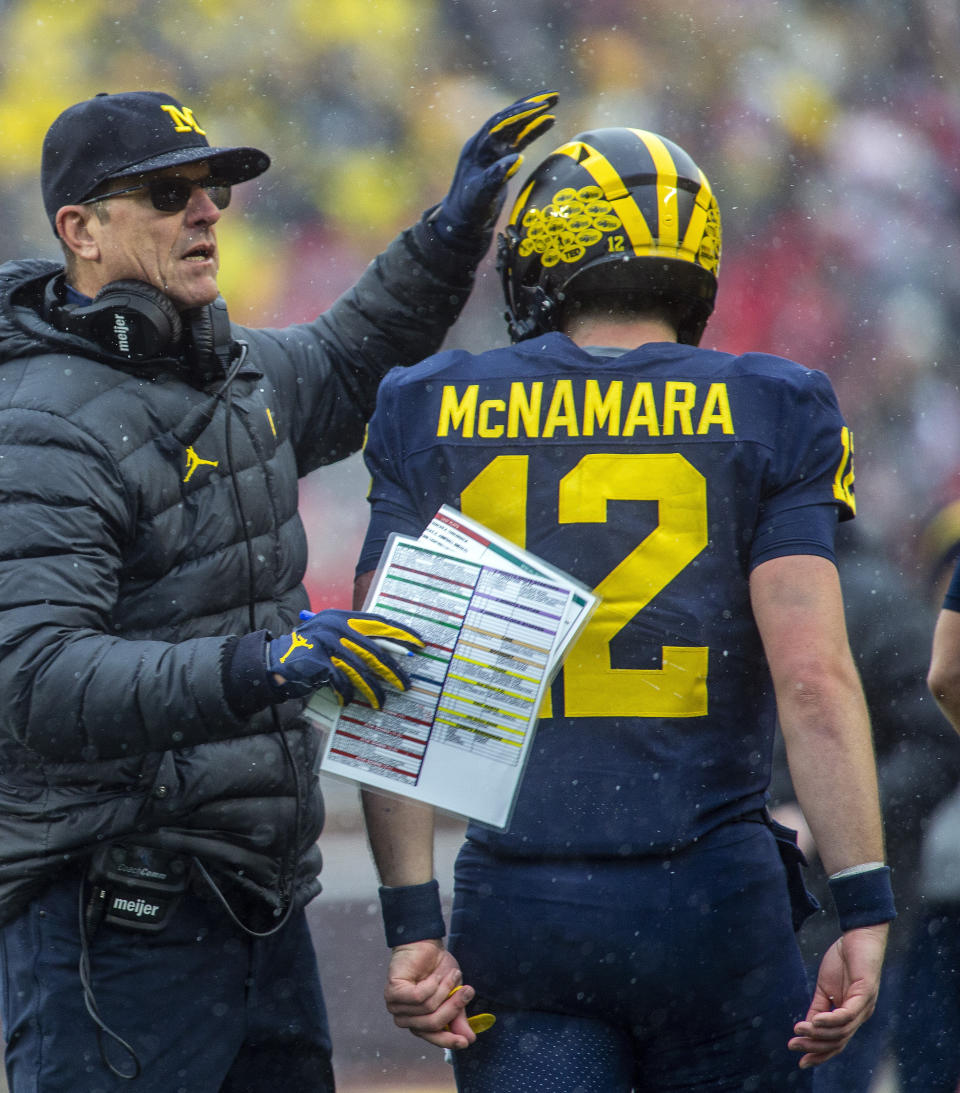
(537, 313)
(540, 315)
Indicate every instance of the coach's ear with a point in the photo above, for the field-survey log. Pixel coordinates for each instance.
(76, 231)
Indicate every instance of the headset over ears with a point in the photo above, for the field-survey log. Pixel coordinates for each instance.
(134, 320)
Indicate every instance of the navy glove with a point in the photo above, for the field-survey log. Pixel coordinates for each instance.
(340, 650)
(488, 159)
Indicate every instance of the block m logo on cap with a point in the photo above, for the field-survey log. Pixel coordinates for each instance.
(183, 119)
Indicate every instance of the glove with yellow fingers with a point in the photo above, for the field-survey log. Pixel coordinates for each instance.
(487, 160)
(340, 650)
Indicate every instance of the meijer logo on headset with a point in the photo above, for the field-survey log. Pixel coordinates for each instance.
(121, 330)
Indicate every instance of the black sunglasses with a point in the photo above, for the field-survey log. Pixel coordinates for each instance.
(170, 195)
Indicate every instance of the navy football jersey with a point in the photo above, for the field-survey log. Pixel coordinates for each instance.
(660, 477)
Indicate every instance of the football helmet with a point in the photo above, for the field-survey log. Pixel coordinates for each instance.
(615, 212)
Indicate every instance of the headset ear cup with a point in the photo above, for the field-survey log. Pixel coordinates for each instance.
(211, 340)
(158, 310)
(200, 327)
(127, 318)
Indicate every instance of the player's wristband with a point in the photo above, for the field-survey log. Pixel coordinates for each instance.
(412, 912)
(863, 897)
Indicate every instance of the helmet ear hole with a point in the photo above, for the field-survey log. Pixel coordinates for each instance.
(617, 215)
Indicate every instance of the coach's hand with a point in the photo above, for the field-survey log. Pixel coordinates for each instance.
(340, 650)
(424, 993)
(845, 995)
(488, 159)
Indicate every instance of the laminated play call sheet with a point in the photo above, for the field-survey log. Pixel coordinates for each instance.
(497, 622)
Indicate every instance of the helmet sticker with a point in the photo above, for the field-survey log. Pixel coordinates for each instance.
(573, 221)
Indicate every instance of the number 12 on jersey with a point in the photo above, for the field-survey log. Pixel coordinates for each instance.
(592, 687)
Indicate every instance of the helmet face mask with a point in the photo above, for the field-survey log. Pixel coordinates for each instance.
(616, 214)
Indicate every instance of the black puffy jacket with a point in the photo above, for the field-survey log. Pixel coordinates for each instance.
(128, 563)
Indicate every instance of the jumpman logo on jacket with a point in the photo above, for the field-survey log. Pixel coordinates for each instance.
(296, 641)
(194, 461)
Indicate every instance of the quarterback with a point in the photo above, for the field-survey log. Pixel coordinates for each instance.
(633, 927)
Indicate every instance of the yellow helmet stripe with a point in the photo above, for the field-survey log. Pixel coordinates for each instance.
(698, 218)
(520, 202)
(614, 190)
(668, 210)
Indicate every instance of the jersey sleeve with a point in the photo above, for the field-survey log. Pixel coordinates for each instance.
(392, 509)
(951, 601)
(810, 476)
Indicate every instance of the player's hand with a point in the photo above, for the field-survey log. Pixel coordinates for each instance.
(845, 995)
(340, 650)
(487, 160)
(425, 994)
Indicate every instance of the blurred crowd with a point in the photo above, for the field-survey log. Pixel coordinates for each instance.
(830, 130)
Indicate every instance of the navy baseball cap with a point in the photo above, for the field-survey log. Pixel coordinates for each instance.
(116, 136)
